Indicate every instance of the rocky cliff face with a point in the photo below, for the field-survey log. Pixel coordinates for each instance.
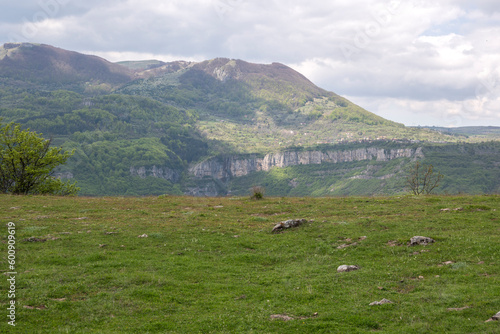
(226, 168)
(154, 171)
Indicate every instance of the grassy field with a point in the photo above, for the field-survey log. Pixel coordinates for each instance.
(212, 265)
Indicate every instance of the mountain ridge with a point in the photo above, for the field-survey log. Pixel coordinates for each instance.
(142, 127)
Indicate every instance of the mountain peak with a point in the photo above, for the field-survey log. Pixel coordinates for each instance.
(47, 65)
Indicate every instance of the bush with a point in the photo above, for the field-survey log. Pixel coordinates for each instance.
(257, 192)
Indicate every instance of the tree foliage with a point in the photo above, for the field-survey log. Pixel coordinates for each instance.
(27, 163)
(421, 179)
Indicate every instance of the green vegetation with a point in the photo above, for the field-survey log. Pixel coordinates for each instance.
(140, 122)
(27, 162)
(212, 265)
(422, 180)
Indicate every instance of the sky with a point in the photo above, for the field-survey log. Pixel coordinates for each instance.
(417, 62)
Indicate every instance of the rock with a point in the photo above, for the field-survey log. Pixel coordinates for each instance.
(288, 224)
(346, 268)
(143, 236)
(457, 308)
(496, 317)
(229, 167)
(283, 317)
(33, 239)
(419, 240)
(382, 302)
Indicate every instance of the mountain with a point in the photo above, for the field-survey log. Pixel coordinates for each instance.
(207, 128)
(477, 132)
(40, 65)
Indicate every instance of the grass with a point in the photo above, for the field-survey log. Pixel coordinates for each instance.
(211, 265)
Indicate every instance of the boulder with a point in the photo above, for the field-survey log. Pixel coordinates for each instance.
(419, 240)
(346, 268)
(288, 224)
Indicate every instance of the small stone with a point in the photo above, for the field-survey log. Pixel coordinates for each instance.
(344, 246)
(457, 308)
(143, 236)
(283, 317)
(346, 268)
(382, 302)
(288, 224)
(496, 317)
(419, 240)
(33, 239)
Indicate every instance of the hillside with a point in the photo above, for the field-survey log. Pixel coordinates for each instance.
(475, 133)
(263, 108)
(40, 66)
(143, 127)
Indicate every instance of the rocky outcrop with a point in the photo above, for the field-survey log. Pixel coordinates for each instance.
(226, 168)
(154, 171)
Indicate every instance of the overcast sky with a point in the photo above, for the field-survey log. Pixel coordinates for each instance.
(417, 62)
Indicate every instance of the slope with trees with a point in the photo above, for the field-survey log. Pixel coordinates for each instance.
(137, 126)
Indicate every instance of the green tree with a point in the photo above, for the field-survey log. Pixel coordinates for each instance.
(27, 163)
(421, 179)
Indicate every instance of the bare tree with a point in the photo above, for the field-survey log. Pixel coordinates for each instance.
(421, 179)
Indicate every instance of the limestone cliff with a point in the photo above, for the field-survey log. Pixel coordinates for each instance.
(226, 168)
(154, 171)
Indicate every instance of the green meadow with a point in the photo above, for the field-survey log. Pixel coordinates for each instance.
(172, 264)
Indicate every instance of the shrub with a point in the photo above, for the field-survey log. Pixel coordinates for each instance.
(257, 192)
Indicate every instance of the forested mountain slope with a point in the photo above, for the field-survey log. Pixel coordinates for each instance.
(142, 128)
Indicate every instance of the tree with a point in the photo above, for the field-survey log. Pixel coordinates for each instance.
(422, 180)
(27, 162)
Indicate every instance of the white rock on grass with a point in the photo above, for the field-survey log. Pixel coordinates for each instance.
(382, 302)
(346, 268)
(288, 224)
(419, 240)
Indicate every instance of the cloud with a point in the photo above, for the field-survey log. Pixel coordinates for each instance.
(414, 59)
